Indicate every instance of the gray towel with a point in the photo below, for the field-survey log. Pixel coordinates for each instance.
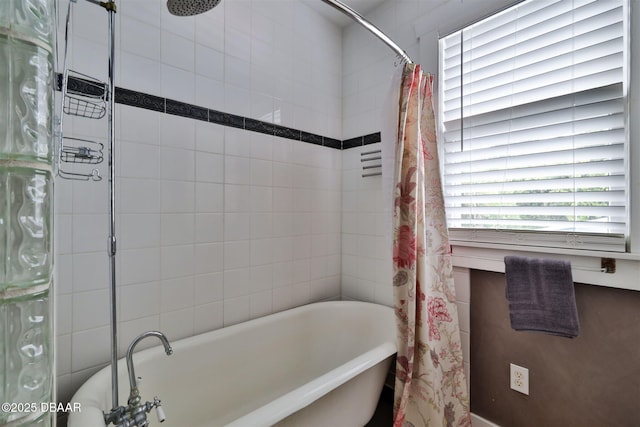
(541, 296)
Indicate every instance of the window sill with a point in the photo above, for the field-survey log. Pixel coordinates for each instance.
(586, 265)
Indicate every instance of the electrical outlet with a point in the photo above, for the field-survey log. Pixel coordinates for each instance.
(520, 379)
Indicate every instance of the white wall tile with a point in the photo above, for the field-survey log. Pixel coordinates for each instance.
(177, 132)
(282, 274)
(63, 225)
(90, 271)
(139, 73)
(83, 56)
(282, 199)
(283, 224)
(209, 167)
(209, 258)
(261, 172)
(282, 249)
(282, 152)
(142, 10)
(262, 77)
(140, 38)
(209, 218)
(63, 351)
(63, 197)
(90, 309)
(261, 225)
(140, 300)
(177, 261)
(261, 251)
(209, 197)
(283, 298)
(209, 138)
(139, 160)
(177, 164)
(261, 278)
(129, 330)
(237, 226)
(209, 228)
(237, 170)
(237, 100)
(178, 51)
(89, 232)
(64, 314)
(90, 200)
(89, 347)
(208, 317)
(209, 62)
(261, 146)
(177, 294)
(237, 142)
(237, 282)
(138, 196)
(260, 304)
(238, 16)
(139, 125)
(237, 254)
(302, 223)
(261, 199)
(236, 198)
(177, 324)
(177, 84)
(63, 279)
(139, 231)
(177, 196)
(262, 107)
(237, 42)
(139, 265)
(208, 287)
(183, 26)
(177, 229)
(236, 310)
(210, 29)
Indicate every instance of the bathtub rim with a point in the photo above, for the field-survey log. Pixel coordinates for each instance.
(301, 397)
(89, 393)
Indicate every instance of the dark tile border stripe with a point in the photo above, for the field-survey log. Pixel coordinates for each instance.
(352, 142)
(372, 138)
(186, 110)
(140, 100)
(259, 126)
(177, 108)
(310, 138)
(332, 142)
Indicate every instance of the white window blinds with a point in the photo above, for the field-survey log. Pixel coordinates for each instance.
(533, 114)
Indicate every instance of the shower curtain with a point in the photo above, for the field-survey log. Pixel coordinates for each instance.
(430, 388)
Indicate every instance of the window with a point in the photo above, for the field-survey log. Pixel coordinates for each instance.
(533, 117)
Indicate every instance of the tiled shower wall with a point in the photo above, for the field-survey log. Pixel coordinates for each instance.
(215, 224)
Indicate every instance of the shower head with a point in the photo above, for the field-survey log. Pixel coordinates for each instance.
(190, 7)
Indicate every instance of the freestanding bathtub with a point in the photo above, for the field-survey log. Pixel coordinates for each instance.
(322, 364)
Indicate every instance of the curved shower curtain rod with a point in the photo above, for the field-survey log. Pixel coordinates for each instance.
(336, 4)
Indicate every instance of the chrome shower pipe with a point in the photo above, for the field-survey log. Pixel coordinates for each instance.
(111, 9)
(336, 4)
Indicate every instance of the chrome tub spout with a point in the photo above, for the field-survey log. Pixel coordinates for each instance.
(135, 413)
(167, 349)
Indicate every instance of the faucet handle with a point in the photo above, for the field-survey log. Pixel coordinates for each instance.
(159, 410)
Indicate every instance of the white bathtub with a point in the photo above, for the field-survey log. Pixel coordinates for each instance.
(322, 364)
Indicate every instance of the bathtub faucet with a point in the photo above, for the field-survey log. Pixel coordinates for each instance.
(135, 414)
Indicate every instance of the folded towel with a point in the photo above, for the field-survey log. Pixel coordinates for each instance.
(541, 296)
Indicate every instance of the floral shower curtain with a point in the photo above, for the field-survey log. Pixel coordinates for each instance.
(430, 387)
